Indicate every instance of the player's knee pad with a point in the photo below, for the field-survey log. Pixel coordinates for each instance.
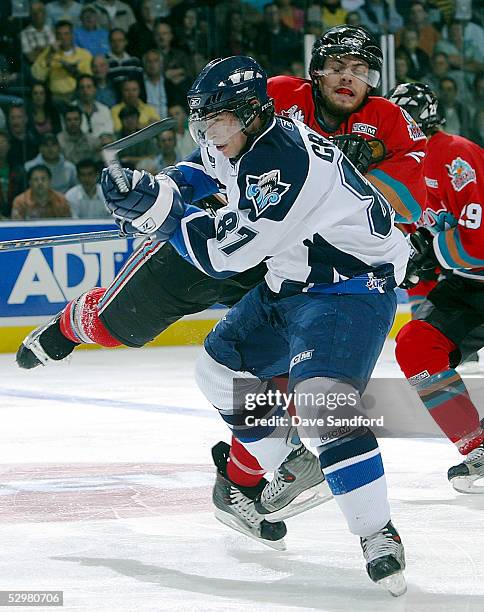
(80, 320)
(421, 349)
(319, 401)
(354, 443)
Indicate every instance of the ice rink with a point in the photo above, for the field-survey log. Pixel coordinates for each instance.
(105, 495)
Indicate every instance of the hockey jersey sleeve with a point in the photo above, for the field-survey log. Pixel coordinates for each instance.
(462, 246)
(400, 175)
(255, 224)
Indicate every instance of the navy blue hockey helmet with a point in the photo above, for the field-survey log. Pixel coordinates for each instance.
(420, 102)
(348, 40)
(236, 84)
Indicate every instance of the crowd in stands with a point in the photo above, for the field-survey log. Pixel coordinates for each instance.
(76, 75)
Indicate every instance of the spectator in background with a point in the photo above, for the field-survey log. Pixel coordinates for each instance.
(23, 143)
(122, 66)
(428, 36)
(40, 201)
(74, 143)
(333, 13)
(192, 33)
(177, 79)
(59, 65)
(418, 60)
(478, 91)
(63, 172)
(11, 178)
(89, 35)
(86, 199)
(380, 17)
(184, 141)
(168, 154)
(63, 10)
(105, 91)
(115, 14)
(464, 47)
(291, 16)
(43, 116)
(170, 53)
(478, 127)
(353, 18)
(130, 96)
(457, 118)
(140, 34)
(276, 44)
(157, 89)
(440, 68)
(132, 156)
(38, 35)
(96, 117)
(402, 67)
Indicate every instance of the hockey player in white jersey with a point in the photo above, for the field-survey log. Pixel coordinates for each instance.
(327, 303)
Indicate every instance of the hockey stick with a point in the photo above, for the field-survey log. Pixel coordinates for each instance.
(110, 156)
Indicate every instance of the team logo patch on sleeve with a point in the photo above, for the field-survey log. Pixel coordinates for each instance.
(461, 173)
(265, 190)
(414, 131)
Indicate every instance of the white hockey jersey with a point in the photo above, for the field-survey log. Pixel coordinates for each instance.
(295, 202)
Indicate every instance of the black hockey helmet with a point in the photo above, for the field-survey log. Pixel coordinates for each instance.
(236, 84)
(420, 102)
(347, 40)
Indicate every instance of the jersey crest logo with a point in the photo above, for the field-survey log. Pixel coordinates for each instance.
(414, 131)
(265, 190)
(461, 173)
(294, 112)
(364, 128)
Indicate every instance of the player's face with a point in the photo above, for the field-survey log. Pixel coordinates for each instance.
(222, 130)
(343, 83)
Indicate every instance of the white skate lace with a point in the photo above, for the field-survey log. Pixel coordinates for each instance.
(244, 506)
(477, 453)
(379, 544)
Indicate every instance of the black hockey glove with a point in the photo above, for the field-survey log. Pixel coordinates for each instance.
(422, 260)
(356, 149)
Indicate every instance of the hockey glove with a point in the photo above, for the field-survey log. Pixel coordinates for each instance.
(153, 206)
(356, 149)
(422, 259)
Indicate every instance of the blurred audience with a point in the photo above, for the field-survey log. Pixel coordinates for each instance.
(276, 45)
(184, 141)
(130, 96)
(380, 17)
(96, 117)
(115, 14)
(122, 65)
(140, 34)
(170, 52)
(40, 201)
(457, 117)
(75, 144)
(440, 68)
(105, 91)
(418, 60)
(23, 142)
(86, 199)
(63, 10)
(63, 172)
(11, 178)
(38, 35)
(291, 16)
(129, 117)
(428, 36)
(89, 35)
(43, 116)
(60, 64)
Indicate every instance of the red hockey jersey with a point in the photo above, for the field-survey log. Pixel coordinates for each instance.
(454, 174)
(401, 170)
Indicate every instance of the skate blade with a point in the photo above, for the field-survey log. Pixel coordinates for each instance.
(394, 584)
(465, 484)
(232, 522)
(319, 494)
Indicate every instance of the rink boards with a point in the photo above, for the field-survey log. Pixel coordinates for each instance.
(36, 284)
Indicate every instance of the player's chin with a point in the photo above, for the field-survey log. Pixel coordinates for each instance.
(345, 103)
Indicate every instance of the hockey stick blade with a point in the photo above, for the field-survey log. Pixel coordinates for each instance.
(110, 152)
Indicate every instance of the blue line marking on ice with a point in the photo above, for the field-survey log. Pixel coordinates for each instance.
(115, 403)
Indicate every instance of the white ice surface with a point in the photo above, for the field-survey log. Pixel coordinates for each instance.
(105, 494)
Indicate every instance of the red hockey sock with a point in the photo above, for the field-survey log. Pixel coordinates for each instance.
(242, 468)
(80, 320)
(422, 352)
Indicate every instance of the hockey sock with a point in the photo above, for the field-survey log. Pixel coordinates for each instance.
(354, 471)
(80, 320)
(422, 352)
(243, 469)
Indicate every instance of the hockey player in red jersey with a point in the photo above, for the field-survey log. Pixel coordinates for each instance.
(448, 324)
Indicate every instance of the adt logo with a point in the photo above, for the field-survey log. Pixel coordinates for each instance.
(265, 190)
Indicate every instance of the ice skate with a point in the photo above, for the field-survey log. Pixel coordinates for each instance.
(297, 486)
(464, 476)
(45, 344)
(235, 506)
(385, 559)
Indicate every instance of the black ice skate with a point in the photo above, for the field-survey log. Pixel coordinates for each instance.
(464, 476)
(235, 506)
(44, 345)
(297, 486)
(385, 559)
